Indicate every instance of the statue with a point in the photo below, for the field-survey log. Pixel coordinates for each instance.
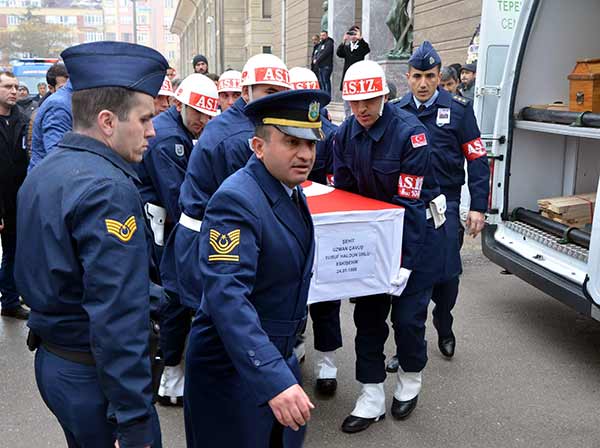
(324, 19)
(399, 21)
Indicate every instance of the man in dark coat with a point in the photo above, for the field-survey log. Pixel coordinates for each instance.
(353, 49)
(13, 168)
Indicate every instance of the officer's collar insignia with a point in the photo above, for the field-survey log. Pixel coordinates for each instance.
(313, 111)
(123, 231)
(224, 246)
(179, 150)
(431, 60)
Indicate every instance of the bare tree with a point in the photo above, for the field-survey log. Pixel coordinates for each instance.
(34, 37)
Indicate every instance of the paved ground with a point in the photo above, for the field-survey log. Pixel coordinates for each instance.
(526, 374)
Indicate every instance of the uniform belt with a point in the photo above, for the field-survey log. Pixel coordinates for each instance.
(190, 223)
(85, 358)
(284, 329)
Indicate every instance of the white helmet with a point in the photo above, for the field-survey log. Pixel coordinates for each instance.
(265, 69)
(364, 80)
(199, 91)
(303, 78)
(167, 88)
(230, 81)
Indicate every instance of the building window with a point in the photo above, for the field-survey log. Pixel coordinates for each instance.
(142, 37)
(12, 3)
(124, 3)
(94, 20)
(142, 19)
(93, 37)
(126, 20)
(267, 49)
(127, 37)
(169, 4)
(266, 9)
(171, 55)
(171, 38)
(110, 20)
(14, 20)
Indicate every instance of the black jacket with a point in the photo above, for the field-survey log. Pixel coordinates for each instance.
(315, 51)
(350, 57)
(13, 164)
(325, 53)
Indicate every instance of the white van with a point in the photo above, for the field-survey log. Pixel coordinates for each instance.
(543, 154)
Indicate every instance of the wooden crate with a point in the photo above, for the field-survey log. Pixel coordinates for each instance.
(584, 86)
(574, 211)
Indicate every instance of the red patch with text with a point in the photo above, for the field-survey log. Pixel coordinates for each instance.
(270, 74)
(305, 85)
(409, 186)
(361, 86)
(228, 83)
(418, 140)
(473, 149)
(203, 102)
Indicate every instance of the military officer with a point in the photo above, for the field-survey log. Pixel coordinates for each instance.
(80, 243)
(256, 257)
(454, 138)
(222, 149)
(382, 153)
(325, 315)
(161, 174)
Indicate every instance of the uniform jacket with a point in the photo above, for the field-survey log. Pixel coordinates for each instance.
(323, 166)
(256, 258)
(222, 149)
(52, 121)
(388, 162)
(454, 135)
(350, 57)
(81, 267)
(13, 164)
(163, 167)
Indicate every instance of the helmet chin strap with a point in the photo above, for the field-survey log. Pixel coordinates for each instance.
(382, 105)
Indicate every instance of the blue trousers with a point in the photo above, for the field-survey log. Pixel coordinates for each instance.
(408, 316)
(10, 296)
(326, 325)
(71, 391)
(175, 322)
(325, 78)
(444, 296)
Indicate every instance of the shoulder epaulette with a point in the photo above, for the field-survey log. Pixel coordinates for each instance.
(460, 99)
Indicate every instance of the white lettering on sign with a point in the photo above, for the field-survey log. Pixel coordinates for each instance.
(203, 101)
(305, 85)
(360, 86)
(473, 149)
(228, 83)
(346, 256)
(409, 186)
(273, 74)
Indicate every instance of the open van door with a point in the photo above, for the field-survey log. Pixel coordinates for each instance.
(592, 283)
(498, 23)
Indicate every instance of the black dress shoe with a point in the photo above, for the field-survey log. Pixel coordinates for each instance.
(402, 409)
(447, 346)
(170, 401)
(354, 424)
(18, 313)
(392, 365)
(326, 386)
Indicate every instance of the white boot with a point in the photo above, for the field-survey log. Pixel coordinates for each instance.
(172, 382)
(409, 385)
(371, 403)
(325, 367)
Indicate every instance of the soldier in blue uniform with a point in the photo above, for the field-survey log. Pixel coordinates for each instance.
(455, 137)
(325, 316)
(382, 153)
(82, 252)
(256, 257)
(222, 149)
(161, 174)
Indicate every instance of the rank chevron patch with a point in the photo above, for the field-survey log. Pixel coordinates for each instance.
(123, 231)
(224, 245)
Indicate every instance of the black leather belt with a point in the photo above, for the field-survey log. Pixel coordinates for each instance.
(85, 358)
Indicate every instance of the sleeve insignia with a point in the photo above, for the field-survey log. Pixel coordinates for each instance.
(123, 231)
(179, 151)
(225, 246)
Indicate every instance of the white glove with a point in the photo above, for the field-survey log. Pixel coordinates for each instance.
(399, 282)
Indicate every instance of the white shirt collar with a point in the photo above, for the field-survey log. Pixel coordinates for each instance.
(288, 190)
(427, 103)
